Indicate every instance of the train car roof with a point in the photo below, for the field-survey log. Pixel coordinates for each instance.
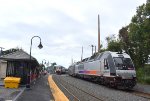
(116, 54)
(86, 59)
(113, 54)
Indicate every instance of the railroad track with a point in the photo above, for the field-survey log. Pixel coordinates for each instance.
(75, 97)
(137, 93)
(61, 81)
(141, 94)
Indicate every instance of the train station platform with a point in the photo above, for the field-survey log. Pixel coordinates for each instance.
(1, 82)
(40, 91)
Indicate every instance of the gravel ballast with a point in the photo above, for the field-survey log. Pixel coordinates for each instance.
(103, 92)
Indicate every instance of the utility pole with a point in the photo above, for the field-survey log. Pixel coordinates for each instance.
(98, 34)
(82, 54)
(92, 48)
(95, 49)
(72, 60)
(1, 50)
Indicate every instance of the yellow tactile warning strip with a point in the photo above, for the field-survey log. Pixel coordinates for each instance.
(57, 93)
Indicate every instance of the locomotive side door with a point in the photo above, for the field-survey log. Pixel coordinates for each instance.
(102, 67)
(111, 65)
(73, 70)
(106, 67)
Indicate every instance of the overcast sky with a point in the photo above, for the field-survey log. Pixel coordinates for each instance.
(63, 25)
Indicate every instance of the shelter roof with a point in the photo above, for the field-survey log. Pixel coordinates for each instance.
(18, 55)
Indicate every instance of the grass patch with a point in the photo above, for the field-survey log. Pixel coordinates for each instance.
(143, 74)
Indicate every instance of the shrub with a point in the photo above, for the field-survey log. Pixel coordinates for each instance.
(143, 74)
(147, 80)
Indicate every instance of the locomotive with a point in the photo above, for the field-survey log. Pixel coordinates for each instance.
(109, 68)
(60, 70)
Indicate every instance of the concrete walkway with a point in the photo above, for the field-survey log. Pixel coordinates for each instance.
(1, 82)
(40, 91)
(10, 93)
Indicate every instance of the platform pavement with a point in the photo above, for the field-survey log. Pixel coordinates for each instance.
(9, 93)
(1, 83)
(40, 91)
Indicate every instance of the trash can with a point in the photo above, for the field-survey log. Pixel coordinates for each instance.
(12, 82)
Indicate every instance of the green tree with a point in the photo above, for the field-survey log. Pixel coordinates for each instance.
(135, 38)
(126, 42)
(139, 34)
(102, 49)
(124, 38)
(113, 44)
(53, 64)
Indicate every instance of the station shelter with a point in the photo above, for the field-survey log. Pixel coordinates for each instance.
(19, 65)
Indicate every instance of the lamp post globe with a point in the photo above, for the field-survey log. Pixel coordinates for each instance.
(40, 45)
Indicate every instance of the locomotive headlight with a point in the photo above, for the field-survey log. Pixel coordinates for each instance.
(114, 79)
(123, 77)
(134, 75)
(117, 75)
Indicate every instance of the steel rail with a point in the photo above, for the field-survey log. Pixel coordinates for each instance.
(98, 98)
(134, 92)
(76, 98)
(141, 94)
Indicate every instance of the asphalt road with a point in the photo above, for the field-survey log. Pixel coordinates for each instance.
(40, 91)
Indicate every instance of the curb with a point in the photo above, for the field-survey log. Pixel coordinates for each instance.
(56, 92)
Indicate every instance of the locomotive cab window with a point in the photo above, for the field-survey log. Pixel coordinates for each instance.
(123, 63)
(106, 64)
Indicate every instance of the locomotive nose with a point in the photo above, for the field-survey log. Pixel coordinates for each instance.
(127, 74)
(128, 78)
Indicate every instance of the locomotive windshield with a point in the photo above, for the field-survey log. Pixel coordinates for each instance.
(123, 63)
